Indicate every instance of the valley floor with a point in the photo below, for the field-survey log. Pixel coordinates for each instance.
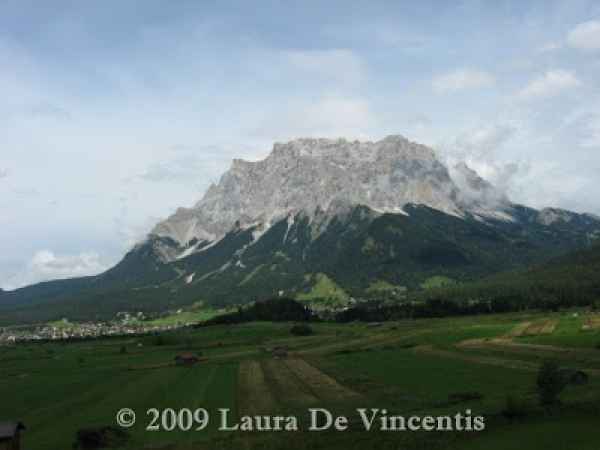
(421, 367)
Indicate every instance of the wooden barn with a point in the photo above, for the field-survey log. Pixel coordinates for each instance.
(186, 359)
(280, 352)
(10, 435)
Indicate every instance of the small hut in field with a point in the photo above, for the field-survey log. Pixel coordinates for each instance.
(186, 359)
(574, 376)
(280, 352)
(10, 435)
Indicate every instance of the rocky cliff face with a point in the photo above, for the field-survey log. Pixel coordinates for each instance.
(316, 176)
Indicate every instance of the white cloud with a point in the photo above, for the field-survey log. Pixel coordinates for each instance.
(133, 233)
(46, 265)
(503, 175)
(585, 36)
(552, 83)
(478, 148)
(484, 140)
(462, 79)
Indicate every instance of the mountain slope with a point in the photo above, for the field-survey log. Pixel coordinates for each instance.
(318, 213)
(565, 281)
(355, 251)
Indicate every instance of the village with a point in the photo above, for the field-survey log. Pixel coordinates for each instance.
(123, 325)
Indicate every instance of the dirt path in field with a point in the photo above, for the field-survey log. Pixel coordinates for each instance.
(255, 395)
(362, 343)
(334, 347)
(233, 355)
(391, 339)
(494, 361)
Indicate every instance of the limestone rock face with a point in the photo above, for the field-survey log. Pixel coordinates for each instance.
(313, 176)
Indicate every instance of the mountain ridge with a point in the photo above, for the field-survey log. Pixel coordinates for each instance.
(258, 233)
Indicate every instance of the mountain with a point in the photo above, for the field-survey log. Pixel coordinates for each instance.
(321, 178)
(319, 219)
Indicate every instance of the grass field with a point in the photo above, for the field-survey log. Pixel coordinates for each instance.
(420, 367)
(437, 281)
(324, 288)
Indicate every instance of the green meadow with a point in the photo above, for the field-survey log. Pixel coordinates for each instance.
(414, 367)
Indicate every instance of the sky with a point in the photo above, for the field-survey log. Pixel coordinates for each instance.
(115, 113)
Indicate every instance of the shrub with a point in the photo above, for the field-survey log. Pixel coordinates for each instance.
(550, 383)
(301, 330)
(515, 408)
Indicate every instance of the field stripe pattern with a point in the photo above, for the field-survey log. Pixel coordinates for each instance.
(324, 386)
(255, 395)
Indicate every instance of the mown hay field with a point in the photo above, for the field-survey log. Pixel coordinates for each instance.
(420, 367)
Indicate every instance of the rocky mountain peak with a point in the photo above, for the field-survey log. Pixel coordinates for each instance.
(309, 175)
(394, 146)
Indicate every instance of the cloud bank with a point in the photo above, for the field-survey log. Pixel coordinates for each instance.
(47, 265)
(550, 84)
(585, 36)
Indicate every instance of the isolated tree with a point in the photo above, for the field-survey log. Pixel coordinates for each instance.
(550, 383)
